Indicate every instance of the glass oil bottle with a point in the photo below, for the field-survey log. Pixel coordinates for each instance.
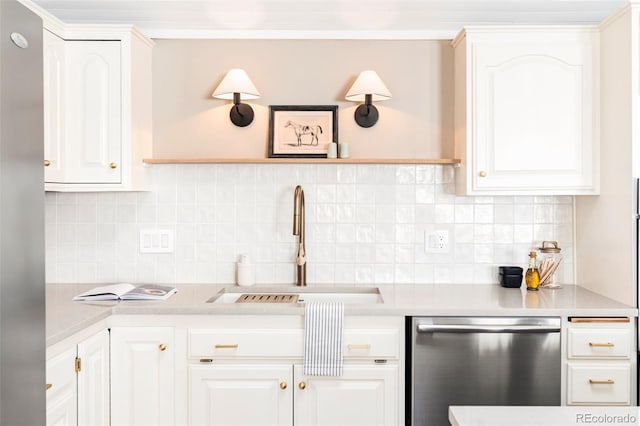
(532, 276)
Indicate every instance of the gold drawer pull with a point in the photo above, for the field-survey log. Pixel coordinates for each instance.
(47, 163)
(482, 174)
(302, 385)
(283, 385)
(162, 347)
(604, 320)
(601, 382)
(601, 345)
(112, 165)
(48, 386)
(354, 347)
(219, 346)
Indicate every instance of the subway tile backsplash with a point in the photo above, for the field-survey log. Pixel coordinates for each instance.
(365, 224)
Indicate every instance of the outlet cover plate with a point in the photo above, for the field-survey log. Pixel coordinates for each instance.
(436, 241)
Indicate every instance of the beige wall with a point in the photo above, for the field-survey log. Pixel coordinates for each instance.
(416, 123)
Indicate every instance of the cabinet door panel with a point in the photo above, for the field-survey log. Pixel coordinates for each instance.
(53, 94)
(247, 395)
(93, 381)
(527, 112)
(365, 395)
(533, 116)
(142, 376)
(62, 396)
(599, 383)
(94, 101)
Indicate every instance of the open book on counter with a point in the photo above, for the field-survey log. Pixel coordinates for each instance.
(125, 291)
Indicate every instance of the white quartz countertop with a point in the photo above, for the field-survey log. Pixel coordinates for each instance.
(542, 416)
(65, 317)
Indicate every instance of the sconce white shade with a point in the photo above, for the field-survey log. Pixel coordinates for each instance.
(368, 83)
(236, 81)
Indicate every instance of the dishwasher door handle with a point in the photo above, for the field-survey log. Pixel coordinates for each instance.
(469, 328)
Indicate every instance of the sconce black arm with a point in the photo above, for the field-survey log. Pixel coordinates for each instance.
(240, 114)
(366, 115)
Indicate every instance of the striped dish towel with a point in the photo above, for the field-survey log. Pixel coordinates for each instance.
(323, 338)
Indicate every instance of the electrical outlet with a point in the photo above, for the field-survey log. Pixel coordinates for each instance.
(436, 242)
(156, 241)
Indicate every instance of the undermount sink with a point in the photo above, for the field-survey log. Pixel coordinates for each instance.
(299, 295)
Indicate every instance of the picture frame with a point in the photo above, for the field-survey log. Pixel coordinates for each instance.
(302, 131)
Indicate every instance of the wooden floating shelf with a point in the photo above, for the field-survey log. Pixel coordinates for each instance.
(300, 161)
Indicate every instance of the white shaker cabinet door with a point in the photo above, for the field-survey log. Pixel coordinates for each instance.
(531, 112)
(365, 395)
(93, 380)
(142, 376)
(62, 395)
(54, 109)
(93, 101)
(241, 395)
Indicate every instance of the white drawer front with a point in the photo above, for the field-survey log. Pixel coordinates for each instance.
(599, 384)
(232, 343)
(384, 343)
(599, 343)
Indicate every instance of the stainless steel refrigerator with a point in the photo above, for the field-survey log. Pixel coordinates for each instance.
(22, 291)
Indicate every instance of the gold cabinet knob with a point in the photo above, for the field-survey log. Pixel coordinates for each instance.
(483, 174)
(113, 165)
(283, 385)
(162, 347)
(302, 385)
(48, 386)
(47, 163)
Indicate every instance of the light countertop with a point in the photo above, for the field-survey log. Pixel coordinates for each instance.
(65, 317)
(542, 416)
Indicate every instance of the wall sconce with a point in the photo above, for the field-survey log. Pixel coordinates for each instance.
(234, 85)
(368, 87)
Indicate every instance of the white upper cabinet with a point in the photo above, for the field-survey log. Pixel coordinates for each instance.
(526, 116)
(97, 84)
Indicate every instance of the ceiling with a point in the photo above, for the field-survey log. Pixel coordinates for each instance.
(324, 18)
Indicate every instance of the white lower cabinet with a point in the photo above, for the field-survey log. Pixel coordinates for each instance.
(278, 395)
(241, 394)
(78, 382)
(249, 371)
(142, 376)
(364, 395)
(600, 361)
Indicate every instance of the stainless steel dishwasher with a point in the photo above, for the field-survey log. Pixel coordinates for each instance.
(480, 361)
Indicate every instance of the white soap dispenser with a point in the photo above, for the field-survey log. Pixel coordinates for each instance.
(245, 275)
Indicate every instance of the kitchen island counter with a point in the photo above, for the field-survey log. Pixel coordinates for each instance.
(65, 317)
(467, 415)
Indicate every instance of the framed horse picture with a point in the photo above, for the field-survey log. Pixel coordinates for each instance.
(303, 131)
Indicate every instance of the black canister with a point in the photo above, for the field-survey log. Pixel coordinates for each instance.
(510, 276)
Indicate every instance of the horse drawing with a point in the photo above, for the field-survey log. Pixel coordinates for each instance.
(303, 129)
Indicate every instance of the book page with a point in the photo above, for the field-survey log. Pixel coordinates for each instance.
(109, 292)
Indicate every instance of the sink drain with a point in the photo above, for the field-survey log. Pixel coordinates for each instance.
(267, 298)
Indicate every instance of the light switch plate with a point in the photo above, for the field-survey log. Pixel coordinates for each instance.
(156, 241)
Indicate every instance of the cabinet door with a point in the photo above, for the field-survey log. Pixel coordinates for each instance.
(534, 123)
(365, 395)
(94, 112)
(93, 380)
(242, 394)
(61, 389)
(142, 376)
(54, 116)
